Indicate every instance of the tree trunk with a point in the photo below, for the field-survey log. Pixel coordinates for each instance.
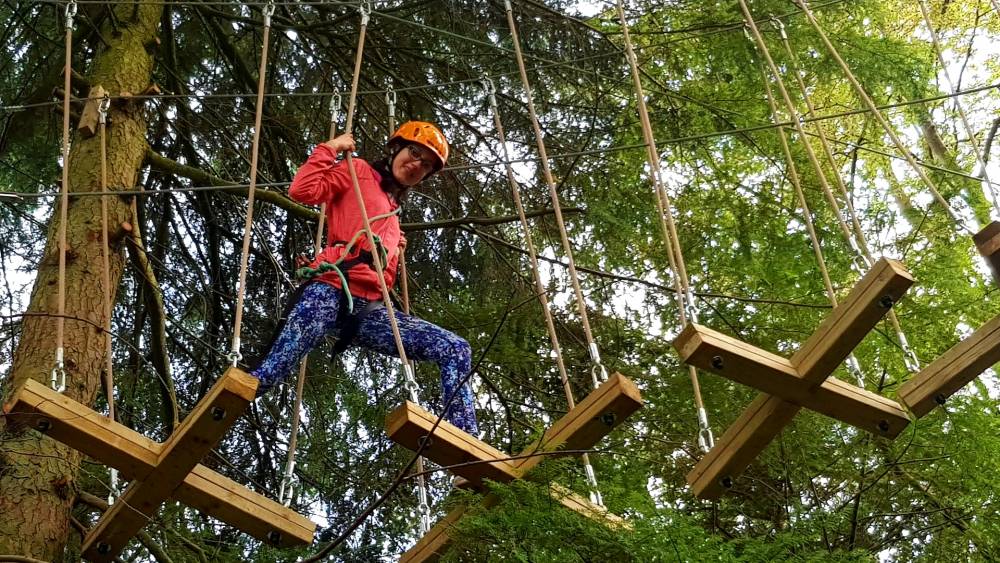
(38, 475)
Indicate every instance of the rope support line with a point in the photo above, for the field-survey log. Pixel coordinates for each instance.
(886, 126)
(863, 256)
(935, 42)
(597, 367)
(758, 41)
(234, 355)
(109, 382)
(57, 378)
(540, 289)
(686, 308)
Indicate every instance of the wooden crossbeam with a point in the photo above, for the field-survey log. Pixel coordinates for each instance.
(581, 428)
(813, 363)
(988, 243)
(137, 458)
(962, 363)
(744, 363)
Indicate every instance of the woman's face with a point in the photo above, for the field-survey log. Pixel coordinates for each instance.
(413, 164)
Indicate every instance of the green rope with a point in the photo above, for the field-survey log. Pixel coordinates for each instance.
(307, 273)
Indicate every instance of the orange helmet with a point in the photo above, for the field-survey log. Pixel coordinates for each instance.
(424, 134)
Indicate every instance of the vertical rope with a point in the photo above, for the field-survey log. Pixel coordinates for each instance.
(365, 10)
(852, 363)
(860, 247)
(286, 491)
(595, 355)
(866, 99)
(58, 376)
(671, 241)
(234, 355)
(952, 87)
(535, 271)
(109, 381)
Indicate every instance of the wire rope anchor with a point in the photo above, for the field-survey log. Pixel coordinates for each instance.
(706, 440)
(114, 491)
(855, 368)
(268, 12)
(689, 307)
(58, 375)
(779, 27)
(423, 506)
(70, 14)
(595, 495)
(365, 9)
(390, 102)
(287, 488)
(410, 383)
(234, 355)
(910, 359)
(103, 108)
(597, 367)
(335, 103)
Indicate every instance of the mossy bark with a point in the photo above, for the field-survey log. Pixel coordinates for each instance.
(38, 475)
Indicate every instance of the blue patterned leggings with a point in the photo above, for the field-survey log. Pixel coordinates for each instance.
(315, 315)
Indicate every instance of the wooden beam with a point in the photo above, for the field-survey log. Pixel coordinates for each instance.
(134, 455)
(817, 358)
(988, 243)
(743, 441)
(962, 363)
(253, 513)
(852, 320)
(409, 425)
(190, 442)
(743, 363)
(89, 118)
(433, 545)
(593, 418)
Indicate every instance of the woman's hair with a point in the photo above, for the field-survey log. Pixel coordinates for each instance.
(384, 167)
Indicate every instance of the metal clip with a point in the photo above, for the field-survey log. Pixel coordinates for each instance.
(855, 368)
(366, 11)
(58, 380)
(689, 307)
(70, 13)
(268, 12)
(113, 490)
(910, 359)
(102, 109)
(234, 355)
(746, 33)
(423, 507)
(287, 489)
(598, 367)
(390, 100)
(779, 26)
(595, 495)
(706, 440)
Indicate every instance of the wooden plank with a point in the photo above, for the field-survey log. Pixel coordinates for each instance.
(583, 506)
(135, 455)
(593, 418)
(743, 441)
(409, 425)
(61, 418)
(234, 504)
(962, 363)
(190, 442)
(851, 320)
(437, 540)
(988, 243)
(743, 363)
(90, 116)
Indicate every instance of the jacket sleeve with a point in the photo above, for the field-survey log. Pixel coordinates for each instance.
(320, 178)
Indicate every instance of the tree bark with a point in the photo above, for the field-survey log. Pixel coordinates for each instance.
(38, 477)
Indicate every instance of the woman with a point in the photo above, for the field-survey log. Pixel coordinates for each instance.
(348, 298)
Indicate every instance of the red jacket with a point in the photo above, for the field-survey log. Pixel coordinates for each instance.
(324, 180)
